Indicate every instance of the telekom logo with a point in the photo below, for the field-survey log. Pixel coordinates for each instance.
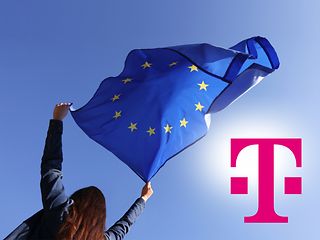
(292, 185)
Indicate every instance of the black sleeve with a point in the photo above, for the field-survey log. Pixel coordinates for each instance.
(52, 189)
(121, 227)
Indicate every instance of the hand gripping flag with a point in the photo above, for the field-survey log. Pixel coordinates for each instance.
(161, 102)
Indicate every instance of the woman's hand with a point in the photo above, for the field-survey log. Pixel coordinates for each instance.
(146, 191)
(61, 110)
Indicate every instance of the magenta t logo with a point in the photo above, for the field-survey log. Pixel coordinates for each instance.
(292, 185)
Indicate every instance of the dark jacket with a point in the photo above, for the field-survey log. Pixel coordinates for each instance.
(44, 224)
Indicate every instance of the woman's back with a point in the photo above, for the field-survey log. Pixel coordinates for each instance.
(81, 216)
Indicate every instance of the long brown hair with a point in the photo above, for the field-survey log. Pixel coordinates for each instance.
(87, 216)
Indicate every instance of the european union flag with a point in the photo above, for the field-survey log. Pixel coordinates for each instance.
(161, 102)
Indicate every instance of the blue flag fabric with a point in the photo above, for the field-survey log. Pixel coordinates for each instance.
(161, 102)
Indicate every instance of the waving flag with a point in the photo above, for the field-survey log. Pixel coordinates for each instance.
(161, 102)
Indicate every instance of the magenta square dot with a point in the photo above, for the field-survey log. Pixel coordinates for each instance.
(292, 185)
(239, 185)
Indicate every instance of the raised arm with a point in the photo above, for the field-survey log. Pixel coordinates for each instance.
(122, 226)
(52, 189)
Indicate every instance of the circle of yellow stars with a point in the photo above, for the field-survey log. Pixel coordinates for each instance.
(168, 128)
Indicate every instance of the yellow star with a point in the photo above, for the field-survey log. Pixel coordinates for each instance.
(183, 123)
(203, 85)
(193, 68)
(117, 115)
(146, 65)
(199, 107)
(133, 126)
(168, 128)
(173, 64)
(125, 81)
(115, 97)
(151, 131)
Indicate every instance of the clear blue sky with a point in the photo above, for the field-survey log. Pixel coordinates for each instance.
(53, 51)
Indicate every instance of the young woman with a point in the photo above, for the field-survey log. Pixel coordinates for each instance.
(82, 216)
